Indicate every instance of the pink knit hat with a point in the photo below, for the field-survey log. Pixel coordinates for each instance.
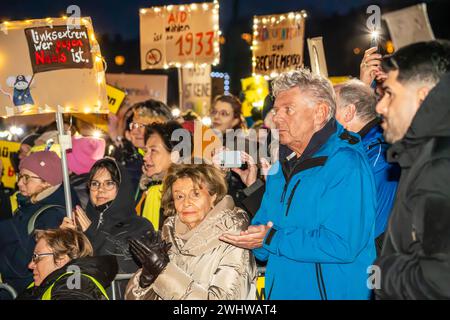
(45, 164)
(85, 152)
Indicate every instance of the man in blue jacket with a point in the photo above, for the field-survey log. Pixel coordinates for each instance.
(315, 226)
(356, 104)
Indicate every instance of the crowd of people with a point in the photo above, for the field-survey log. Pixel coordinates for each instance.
(352, 204)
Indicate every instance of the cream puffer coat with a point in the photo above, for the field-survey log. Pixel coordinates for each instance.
(201, 266)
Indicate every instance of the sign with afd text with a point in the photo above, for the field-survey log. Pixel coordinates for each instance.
(278, 42)
(179, 35)
(50, 63)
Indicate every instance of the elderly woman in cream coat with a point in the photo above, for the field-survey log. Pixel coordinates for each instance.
(190, 262)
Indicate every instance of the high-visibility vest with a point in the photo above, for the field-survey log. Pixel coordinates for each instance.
(48, 293)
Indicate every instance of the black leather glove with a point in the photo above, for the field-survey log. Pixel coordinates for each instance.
(154, 259)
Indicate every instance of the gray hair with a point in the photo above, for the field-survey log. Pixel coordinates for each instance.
(356, 92)
(317, 87)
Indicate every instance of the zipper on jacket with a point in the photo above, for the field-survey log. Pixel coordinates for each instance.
(320, 282)
(291, 196)
(284, 192)
(270, 290)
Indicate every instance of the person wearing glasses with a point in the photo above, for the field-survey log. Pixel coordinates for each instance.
(64, 269)
(110, 217)
(41, 205)
(128, 150)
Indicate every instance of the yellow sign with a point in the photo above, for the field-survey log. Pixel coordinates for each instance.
(115, 98)
(255, 89)
(8, 175)
(278, 43)
(55, 148)
(260, 288)
(176, 35)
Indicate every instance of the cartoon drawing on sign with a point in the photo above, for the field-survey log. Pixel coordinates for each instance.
(21, 94)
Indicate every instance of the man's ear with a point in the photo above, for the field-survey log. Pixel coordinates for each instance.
(422, 93)
(321, 113)
(350, 112)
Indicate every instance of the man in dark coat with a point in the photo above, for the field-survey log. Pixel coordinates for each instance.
(415, 261)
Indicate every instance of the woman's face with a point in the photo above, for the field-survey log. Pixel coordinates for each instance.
(192, 202)
(43, 262)
(102, 188)
(223, 116)
(156, 159)
(29, 183)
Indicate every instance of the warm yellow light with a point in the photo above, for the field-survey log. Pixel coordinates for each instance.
(205, 6)
(194, 6)
(143, 11)
(291, 15)
(87, 110)
(166, 66)
(298, 16)
(93, 37)
(169, 7)
(64, 17)
(157, 9)
(97, 134)
(119, 60)
(255, 21)
(272, 19)
(182, 8)
(264, 20)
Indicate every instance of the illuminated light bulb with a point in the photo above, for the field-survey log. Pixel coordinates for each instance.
(220, 32)
(255, 21)
(255, 33)
(282, 18)
(194, 6)
(182, 8)
(272, 19)
(264, 20)
(157, 9)
(143, 11)
(87, 110)
(178, 65)
(305, 15)
(169, 7)
(216, 50)
(216, 27)
(205, 6)
(98, 59)
(298, 16)
(166, 66)
(64, 17)
(206, 121)
(374, 35)
(97, 134)
(176, 112)
(291, 15)
(255, 42)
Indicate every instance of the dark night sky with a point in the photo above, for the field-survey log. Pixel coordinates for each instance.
(340, 22)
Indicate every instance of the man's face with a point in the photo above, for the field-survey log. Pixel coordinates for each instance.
(294, 118)
(398, 107)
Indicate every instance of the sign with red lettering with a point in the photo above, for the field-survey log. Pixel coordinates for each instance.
(278, 42)
(179, 35)
(58, 47)
(51, 64)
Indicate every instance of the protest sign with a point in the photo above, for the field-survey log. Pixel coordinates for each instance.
(409, 25)
(278, 43)
(179, 35)
(115, 98)
(317, 56)
(47, 63)
(197, 89)
(7, 148)
(139, 87)
(255, 90)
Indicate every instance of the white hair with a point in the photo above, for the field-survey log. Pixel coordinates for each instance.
(317, 87)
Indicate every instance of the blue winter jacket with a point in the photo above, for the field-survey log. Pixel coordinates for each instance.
(386, 174)
(322, 241)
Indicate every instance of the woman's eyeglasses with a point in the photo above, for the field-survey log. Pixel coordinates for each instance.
(37, 256)
(26, 178)
(108, 185)
(221, 113)
(135, 125)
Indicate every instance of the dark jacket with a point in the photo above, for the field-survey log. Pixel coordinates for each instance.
(130, 159)
(110, 229)
(386, 174)
(79, 184)
(16, 245)
(103, 269)
(415, 261)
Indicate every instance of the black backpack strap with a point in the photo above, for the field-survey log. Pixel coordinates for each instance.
(36, 215)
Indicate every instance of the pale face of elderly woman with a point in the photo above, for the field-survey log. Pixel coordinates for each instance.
(192, 202)
(29, 183)
(43, 262)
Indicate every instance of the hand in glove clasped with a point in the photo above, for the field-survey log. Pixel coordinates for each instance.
(152, 254)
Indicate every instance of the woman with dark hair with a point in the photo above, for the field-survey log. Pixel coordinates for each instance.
(226, 113)
(110, 218)
(157, 160)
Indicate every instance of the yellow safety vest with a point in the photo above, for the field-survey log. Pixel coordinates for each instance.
(48, 293)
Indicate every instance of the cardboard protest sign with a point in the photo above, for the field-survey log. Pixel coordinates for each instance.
(317, 56)
(255, 90)
(278, 43)
(8, 176)
(48, 63)
(409, 25)
(115, 98)
(139, 87)
(197, 89)
(179, 35)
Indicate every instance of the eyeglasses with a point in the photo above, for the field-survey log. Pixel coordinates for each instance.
(36, 257)
(221, 113)
(136, 125)
(108, 185)
(26, 178)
